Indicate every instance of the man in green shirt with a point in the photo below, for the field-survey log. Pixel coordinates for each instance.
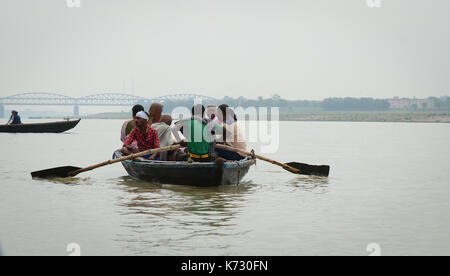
(197, 130)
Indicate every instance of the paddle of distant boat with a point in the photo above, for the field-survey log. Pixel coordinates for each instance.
(53, 127)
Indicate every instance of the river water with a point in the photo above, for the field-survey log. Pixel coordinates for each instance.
(389, 186)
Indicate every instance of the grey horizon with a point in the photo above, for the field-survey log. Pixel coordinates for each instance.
(298, 49)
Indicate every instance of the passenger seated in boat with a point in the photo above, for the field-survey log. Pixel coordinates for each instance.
(145, 136)
(129, 125)
(180, 154)
(231, 134)
(167, 119)
(211, 111)
(14, 119)
(166, 138)
(197, 130)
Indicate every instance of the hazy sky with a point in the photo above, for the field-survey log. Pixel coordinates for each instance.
(299, 49)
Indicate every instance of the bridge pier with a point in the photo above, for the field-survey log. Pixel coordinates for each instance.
(2, 111)
(76, 111)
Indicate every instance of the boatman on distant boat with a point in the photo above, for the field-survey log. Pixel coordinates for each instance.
(14, 119)
(198, 131)
(146, 137)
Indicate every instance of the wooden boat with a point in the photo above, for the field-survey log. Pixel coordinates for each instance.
(184, 173)
(55, 127)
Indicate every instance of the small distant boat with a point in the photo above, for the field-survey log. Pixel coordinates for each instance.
(191, 174)
(54, 127)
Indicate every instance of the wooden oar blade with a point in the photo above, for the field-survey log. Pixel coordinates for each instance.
(306, 169)
(55, 172)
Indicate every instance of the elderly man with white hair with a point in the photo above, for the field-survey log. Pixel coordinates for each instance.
(211, 111)
(146, 137)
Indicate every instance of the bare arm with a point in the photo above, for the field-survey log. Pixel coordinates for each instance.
(178, 127)
(127, 148)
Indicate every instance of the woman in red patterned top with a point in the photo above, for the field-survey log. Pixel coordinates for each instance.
(145, 136)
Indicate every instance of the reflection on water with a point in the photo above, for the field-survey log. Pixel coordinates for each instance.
(70, 181)
(187, 212)
(276, 213)
(316, 184)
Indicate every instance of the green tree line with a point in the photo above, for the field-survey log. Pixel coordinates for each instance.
(329, 104)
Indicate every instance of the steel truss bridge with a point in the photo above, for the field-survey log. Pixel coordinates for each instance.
(105, 99)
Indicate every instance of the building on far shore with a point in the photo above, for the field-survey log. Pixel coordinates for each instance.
(403, 103)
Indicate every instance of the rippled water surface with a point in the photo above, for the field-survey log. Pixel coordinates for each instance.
(389, 185)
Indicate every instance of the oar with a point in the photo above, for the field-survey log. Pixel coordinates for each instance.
(70, 171)
(293, 167)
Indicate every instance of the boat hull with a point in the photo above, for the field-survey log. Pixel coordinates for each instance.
(190, 174)
(55, 127)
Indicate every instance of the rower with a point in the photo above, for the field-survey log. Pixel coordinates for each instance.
(129, 125)
(197, 129)
(145, 136)
(14, 119)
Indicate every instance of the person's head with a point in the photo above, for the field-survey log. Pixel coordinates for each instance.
(141, 119)
(198, 110)
(211, 111)
(14, 112)
(226, 114)
(167, 119)
(155, 112)
(136, 109)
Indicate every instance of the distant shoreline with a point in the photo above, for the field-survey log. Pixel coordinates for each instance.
(371, 117)
(403, 117)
